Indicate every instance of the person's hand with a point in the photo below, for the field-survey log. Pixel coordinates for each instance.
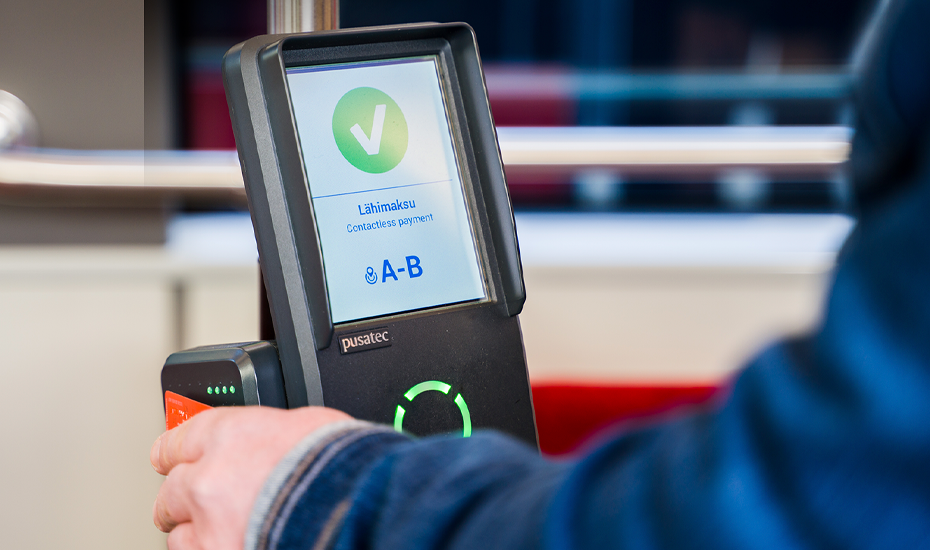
(216, 464)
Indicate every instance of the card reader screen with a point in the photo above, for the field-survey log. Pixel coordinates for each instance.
(386, 187)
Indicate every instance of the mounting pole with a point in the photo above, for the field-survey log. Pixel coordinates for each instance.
(289, 16)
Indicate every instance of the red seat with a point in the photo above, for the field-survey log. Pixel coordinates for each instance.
(568, 414)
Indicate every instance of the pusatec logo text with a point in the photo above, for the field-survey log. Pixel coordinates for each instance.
(362, 341)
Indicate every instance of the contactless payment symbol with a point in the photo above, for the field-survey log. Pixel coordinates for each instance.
(442, 387)
(370, 130)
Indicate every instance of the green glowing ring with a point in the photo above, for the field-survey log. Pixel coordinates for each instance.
(434, 385)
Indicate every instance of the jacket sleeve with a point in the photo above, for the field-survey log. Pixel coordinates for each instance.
(824, 441)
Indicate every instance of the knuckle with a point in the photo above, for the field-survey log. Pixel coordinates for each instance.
(203, 490)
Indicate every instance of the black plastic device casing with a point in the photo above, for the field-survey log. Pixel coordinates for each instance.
(476, 348)
(251, 368)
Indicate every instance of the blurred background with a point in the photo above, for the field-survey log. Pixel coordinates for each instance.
(676, 168)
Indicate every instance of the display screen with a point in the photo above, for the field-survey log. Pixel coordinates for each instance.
(387, 193)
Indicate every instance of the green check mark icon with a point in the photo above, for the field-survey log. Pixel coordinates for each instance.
(373, 144)
(385, 146)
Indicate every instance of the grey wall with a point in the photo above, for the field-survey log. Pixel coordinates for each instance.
(79, 65)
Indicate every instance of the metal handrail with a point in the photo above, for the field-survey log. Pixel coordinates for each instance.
(173, 171)
(624, 150)
(533, 82)
(655, 151)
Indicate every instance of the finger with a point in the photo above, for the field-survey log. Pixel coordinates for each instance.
(183, 538)
(172, 506)
(178, 445)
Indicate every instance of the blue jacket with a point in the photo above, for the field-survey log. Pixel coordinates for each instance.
(823, 442)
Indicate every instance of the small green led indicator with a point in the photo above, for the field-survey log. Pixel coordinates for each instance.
(225, 389)
(442, 387)
(232, 389)
(216, 390)
(210, 391)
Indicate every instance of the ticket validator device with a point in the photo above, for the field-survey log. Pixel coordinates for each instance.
(385, 231)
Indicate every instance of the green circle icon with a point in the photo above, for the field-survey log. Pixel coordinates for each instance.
(442, 387)
(370, 130)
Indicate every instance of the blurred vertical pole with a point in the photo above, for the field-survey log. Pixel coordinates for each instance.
(517, 33)
(601, 36)
(602, 43)
(290, 16)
